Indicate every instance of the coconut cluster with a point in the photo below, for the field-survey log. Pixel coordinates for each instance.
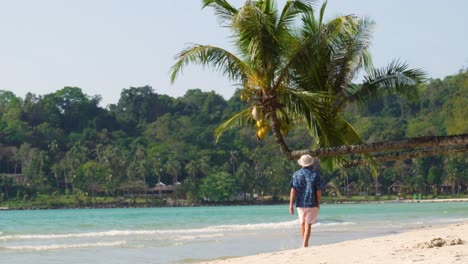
(262, 127)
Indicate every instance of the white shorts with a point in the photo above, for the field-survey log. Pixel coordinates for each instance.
(307, 215)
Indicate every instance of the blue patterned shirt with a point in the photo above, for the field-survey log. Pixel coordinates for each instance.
(306, 182)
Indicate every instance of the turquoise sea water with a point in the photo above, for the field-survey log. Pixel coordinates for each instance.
(190, 235)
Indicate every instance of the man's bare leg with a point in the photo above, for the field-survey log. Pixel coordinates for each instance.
(305, 228)
(302, 231)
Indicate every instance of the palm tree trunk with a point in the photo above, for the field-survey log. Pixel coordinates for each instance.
(410, 154)
(411, 143)
(376, 183)
(402, 149)
(66, 182)
(58, 185)
(275, 128)
(6, 187)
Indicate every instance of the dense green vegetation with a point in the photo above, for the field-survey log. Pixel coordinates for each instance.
(64, 145)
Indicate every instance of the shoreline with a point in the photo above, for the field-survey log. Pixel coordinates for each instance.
(120, 205)
(414, 201)
(432, 245)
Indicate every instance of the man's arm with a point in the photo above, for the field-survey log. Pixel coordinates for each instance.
(292, 197)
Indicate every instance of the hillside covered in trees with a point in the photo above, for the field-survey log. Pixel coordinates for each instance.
(65, 143)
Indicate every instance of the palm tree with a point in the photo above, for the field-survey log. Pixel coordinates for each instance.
(119, 160)
(233, 161)
(56, 170)
(157, 167)
(333, 187)
(243, 175)
(53, 150)
(455, 171)
(73, 159)
(5, 181)
(364, 183)
(343, 175)
(192, 169)
(190, 184)
(204, 165)
(302, 74)
(140, 161)
(173, 168)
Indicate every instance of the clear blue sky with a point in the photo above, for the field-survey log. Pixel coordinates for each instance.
(103, 46)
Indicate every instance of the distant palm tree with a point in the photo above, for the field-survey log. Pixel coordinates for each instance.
(192, 169)
(140, 160)
(173, 168)
(191, 185)
(455, 171)
(74, 158)
(295, 68)
(5, 183)
(56, 170)
(343, 175)
(233, 161)
(244, 179)
(204, 165)
(157, 167)
(364, 183)
(53, 150)
(333, 187)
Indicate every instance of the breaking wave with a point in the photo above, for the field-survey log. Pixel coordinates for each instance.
(184, 233)
(65, 246)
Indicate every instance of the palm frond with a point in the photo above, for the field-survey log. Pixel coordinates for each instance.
(322, 12)
(312, 60)
(206, 55)
(348, 135)
(291, 10)
(255, 34)
(308, 107)
(223, 10)
(240, 119)
(332, 163)
(339, 132)
(351, 50)
(267, 6)
(396, 78)
(298, 60)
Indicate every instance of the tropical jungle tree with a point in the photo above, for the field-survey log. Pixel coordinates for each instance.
(296, 68)
(218, 186)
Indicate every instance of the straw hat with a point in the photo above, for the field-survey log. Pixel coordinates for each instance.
(305, 160)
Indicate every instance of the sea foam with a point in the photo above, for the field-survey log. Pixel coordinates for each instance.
(65, 246)
(187, 233)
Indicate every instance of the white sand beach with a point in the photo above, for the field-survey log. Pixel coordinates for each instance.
(429, 245)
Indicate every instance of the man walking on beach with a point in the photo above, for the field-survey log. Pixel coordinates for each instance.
(306, 186)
